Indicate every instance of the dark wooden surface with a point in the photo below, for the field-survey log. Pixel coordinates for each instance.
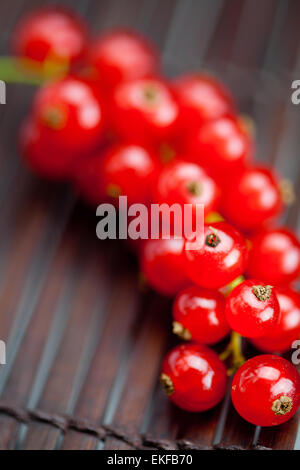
(84, 344)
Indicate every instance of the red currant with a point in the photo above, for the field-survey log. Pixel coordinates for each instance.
(129, 170)
(162, 263)
(123, 55)
(274, 256)
(194, 377)
(125, 169)
(221, 146)
(199, 314)
(182, 183)
(266, 390)
(50, 34)
(288, 328)
(221, 259)
(252, 198)
(145, 111)
(201, 98)
(40, 153)
(252, 309)
(70, 111)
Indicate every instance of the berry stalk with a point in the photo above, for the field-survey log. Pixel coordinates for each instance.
(13, 70)
(234, 350)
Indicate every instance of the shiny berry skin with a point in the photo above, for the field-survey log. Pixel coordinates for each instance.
(122, 55)
(40, 153)
(222, 257)
(288, 328)
(129, 170)
(71, 112)
(199, 314)
(182, 183)
(50, 34)
(274, 257)
(193, 377)
(162, 263)
(252, 198)
(222, 147)
(266, 390)
(145, 111)
(252, 309)
(122, 170)
(201, 98)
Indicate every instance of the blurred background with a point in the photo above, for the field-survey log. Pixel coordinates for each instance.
(80, 333)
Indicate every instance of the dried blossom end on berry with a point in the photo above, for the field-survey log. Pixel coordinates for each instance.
(194, 188)
(54, 118)
(282, 405)
(151, 94)
(167, 384)
(212, 239)
(113, 190)
(179, 330)
(262, 293)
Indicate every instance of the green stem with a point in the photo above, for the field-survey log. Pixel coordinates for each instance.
(234, 350)
(11, 71)
(14, 70)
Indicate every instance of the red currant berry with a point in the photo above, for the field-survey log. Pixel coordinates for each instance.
(274, 257)
(145, 111)
(129, 170)
(70, 110)
(201, 98)
(252, 198)
(288, 328)
(221, 259)
(252, 309)
(53, 35)
(123, 170)
(162, 263)
(40, 153)
(199, 314)
(194, 377)
(221, 146)
(186, 183)
(123, 55)
(266, 390)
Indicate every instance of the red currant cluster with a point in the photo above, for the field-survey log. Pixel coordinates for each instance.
(113, 126)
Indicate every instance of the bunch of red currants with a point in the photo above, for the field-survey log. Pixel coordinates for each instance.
(112, 125)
